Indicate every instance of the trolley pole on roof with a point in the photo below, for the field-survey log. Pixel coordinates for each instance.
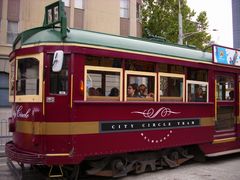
(180, 26)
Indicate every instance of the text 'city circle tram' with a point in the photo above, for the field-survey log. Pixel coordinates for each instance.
(107, 105)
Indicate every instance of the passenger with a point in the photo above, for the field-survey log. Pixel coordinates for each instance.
(99, 92)
(199, 97)
(114, 92)
(142, 91)
(132, 90)
(231, 95)
(91, 91)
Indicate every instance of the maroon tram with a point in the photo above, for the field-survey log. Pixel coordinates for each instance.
(118, 105)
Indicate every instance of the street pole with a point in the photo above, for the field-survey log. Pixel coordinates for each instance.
(180, 26)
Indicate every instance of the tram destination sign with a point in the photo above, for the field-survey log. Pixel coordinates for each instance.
(54, 14)
(125, 126)
(227, 56)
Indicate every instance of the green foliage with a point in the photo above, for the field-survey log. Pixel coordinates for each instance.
(160, 18)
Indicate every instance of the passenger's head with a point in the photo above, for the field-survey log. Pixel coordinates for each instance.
(114, 92)
(142, 89)
(99, 92)
(132, 90)
(91, 91)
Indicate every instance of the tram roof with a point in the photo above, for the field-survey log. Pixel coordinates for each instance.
(50, 35)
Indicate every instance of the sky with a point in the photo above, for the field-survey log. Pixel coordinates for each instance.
(219, 13)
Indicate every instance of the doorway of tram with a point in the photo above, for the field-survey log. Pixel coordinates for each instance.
(57, 104)
(225, 108)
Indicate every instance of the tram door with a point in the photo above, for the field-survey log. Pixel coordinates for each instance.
(57, 105)
(225, 108)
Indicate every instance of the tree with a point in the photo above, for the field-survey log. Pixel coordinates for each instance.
(160, 18)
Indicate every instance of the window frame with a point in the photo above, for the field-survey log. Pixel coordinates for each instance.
(31, 98)
(140, 73)
(174, 75)
(197, 83)
(102, 98)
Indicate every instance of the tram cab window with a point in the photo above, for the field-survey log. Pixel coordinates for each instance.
(103, 84)
(225, 88)
(172, 87)
(11, 78)
(168, 68)
(140, 86)
(59, 80)
(27, 76)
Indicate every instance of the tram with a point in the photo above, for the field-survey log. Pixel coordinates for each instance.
(115, 105)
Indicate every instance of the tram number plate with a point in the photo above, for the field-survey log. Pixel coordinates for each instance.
(50, 99)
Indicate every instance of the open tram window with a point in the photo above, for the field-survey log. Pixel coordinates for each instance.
(103, 84)
(171, 87)
(27, 76)
(140, 86)
(59, 80)
(197, 91)
(225, 88)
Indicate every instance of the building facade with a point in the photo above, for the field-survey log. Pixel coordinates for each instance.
(236, 23)
(118, 17)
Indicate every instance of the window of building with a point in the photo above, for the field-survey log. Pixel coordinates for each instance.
(27, 77)
(103, 83)
(140, 86)
(4, 90)
(225, 88)
(59, 80)
(197, 91)
(172, 87)
(124, 8)
(78, 4)
(138, 11)
(12, 31)
(66, 3)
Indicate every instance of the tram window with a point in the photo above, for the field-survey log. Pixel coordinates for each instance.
(168, 68)
(197, 91)
(103, 84)
(11, 78)
(140, 86)
(136, 65)
(28, 77)
(59, 80)
(172, 87)
(197, 74)
(225, 88)
(103, 61)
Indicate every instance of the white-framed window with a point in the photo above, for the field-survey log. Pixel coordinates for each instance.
(78, 4)
(103, 84)
(66, 3)
(12, 31)
(140, 86)
(124, 8)
(197, 91)
(171, 87)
